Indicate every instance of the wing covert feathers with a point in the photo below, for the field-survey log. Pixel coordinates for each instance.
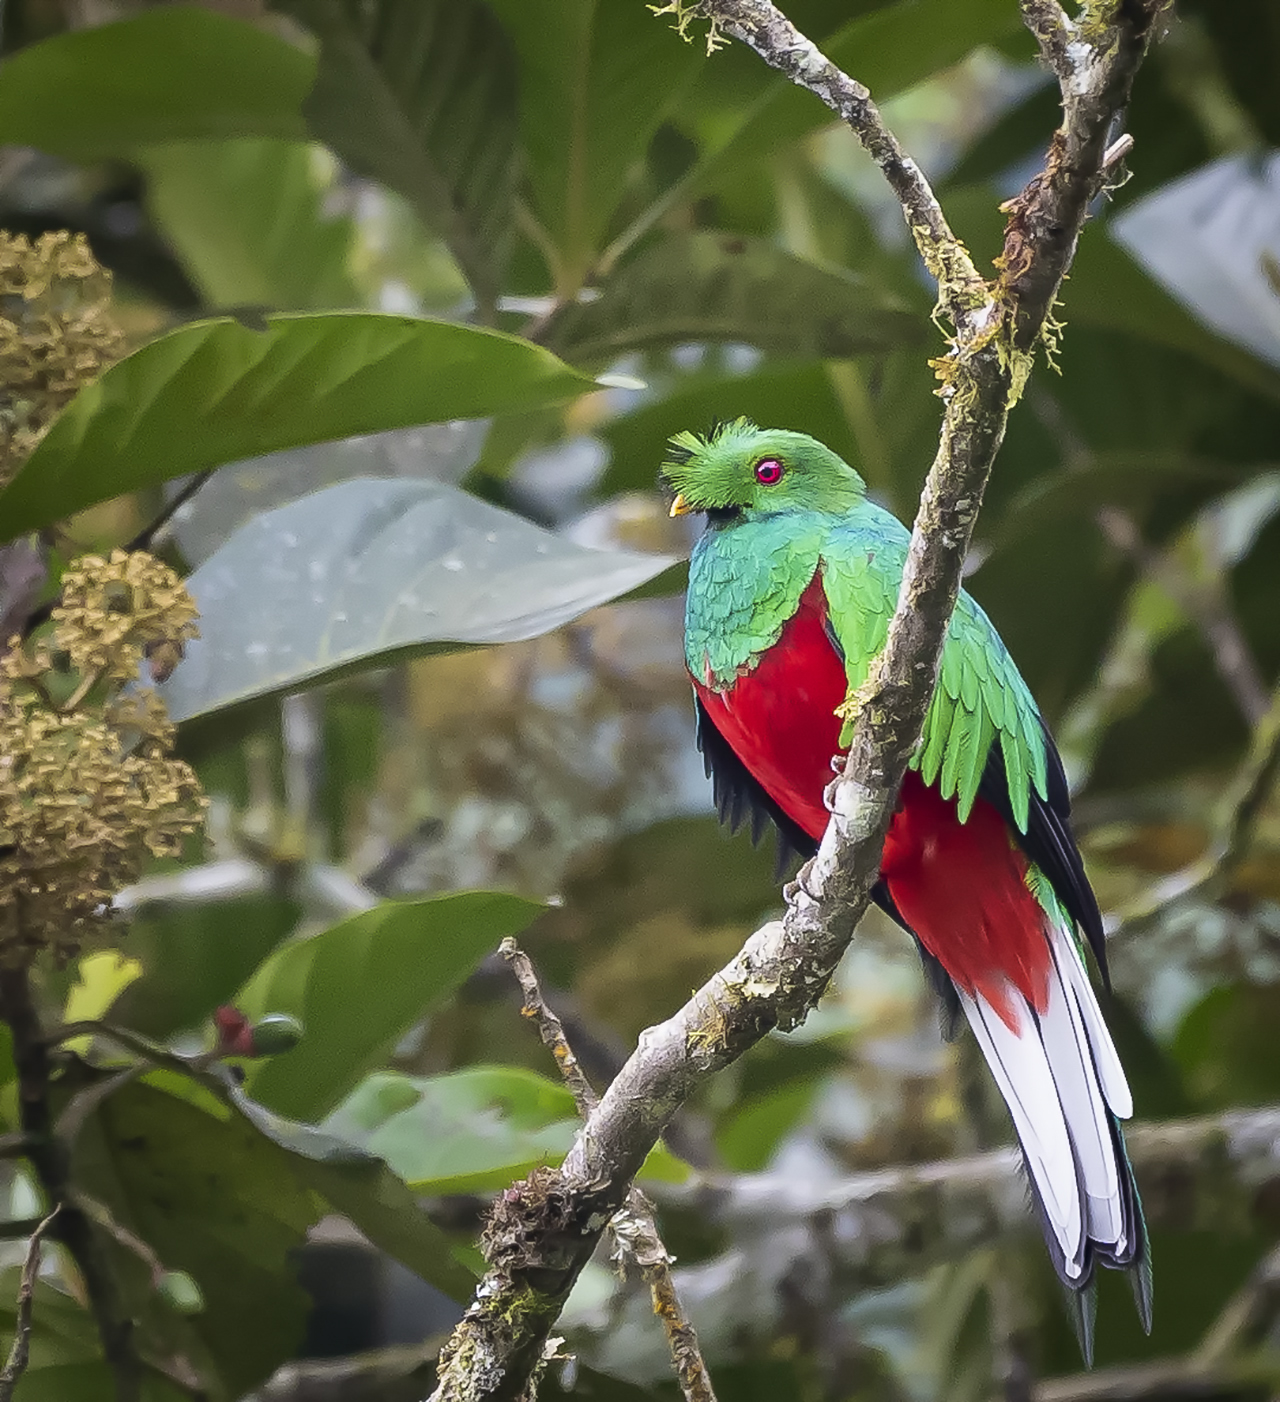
(980, 696)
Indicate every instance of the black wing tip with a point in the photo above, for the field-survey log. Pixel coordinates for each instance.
(1082, 1308)
(949, 1009)
(1080, 1291)
(1050, 843)
(1140, 1284)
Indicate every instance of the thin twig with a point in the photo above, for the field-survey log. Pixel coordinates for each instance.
(1054, 32)
(1242, 806)
(21, 1349)
(550, 1028)
(101, 1214)
(633, 1226)
(147, 535)
(1246, 1316)
(1203, 602)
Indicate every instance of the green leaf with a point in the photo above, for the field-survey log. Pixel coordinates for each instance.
(469, 1131)
(365, 1190)
(173, 73)
(247, 223)
(889, 50)
(371, 569)
(747, 1138)
(215, 391)
(472, 1130)
(212, 1197)
(195, 957)
(597, 79)
(724, 287)
(360, 985)
(1225, 1047)
(421, 94)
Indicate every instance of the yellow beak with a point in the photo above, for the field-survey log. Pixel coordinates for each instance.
(680, 507)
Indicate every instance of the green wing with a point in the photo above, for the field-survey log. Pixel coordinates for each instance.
(980, 697)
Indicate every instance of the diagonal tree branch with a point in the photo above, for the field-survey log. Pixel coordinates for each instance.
(544, 1231)
(634, 1227)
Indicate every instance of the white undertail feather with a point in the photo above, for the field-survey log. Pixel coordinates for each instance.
(1060, 1076)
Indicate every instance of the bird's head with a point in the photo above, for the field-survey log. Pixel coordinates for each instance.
(740, 470)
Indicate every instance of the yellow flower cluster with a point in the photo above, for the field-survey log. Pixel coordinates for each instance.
(113, 611)
(88, 789)
(56, 334)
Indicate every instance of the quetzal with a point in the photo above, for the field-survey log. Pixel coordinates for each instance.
(791, 589)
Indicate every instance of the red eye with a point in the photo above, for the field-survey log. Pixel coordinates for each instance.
(769, 471)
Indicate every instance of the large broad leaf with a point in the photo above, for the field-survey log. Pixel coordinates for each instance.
(597, 78)
(466, 1132)
(1210, 238)
(469, 1131)
(888, 50)
(371, 569)
(195, 956)
(724, 287)
(173, 73)
(362, 1187)
(442, 452)
(361, 984)
(421, 94)
(211, 1196)
(216, 391)
(247, 222)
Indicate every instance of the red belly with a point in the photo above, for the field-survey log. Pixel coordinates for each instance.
(961, 887)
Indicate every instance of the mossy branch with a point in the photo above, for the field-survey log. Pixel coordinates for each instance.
(545, 1229)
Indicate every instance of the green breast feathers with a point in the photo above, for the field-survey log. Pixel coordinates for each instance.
(746, 582)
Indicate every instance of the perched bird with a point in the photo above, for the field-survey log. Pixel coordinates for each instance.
(791, 589)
